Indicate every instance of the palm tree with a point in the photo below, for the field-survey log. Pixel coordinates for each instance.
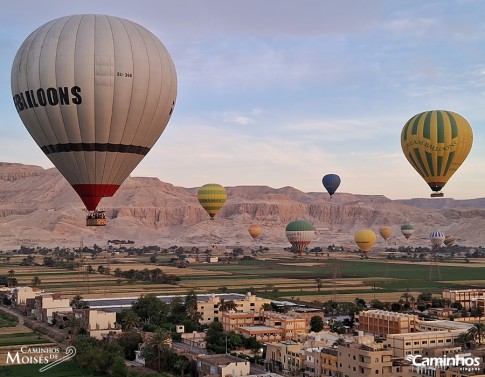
(225, 306)
(159, 343)
(77, 302)
(73, 324)
(129, 320)
(11, 277)
(319, 283)
(476, 332)
(36, 281)
(181, 363)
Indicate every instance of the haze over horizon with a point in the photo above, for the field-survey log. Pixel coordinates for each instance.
(280, 93)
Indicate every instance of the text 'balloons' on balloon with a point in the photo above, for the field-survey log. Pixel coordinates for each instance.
(365, 239)
(407, 230)
(255, 230)
(212, 197)
(437, 239)
(95, 92)
(331, 182)
(436, 143)
(300, 233)
(385, 232)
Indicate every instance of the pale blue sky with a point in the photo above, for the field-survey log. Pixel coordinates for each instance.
(281, 92)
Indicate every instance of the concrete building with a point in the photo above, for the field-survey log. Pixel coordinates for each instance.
(321, 361)
(292, 326)
(357, 360)
(222, 366)
(20, 295)
(97, 322)
(263, 334)
(230, 321)
(195, 339)
(209, 309)
(414, 343)
(466, 297)
(307, 314)
(381, 322)
(285, 357)
(47, 304)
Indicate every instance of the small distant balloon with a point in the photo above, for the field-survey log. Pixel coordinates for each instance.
(254, 230)
(365, 239)
(437, 239)
(331, 182)
(449, 241)
(300, 233)
(212, 197)
(436, 143)
(407, 230)
(385, 232)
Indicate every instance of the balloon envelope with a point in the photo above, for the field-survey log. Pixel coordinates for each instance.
(212, 197)
(385, 232)
(95, 92)
(365, 239)
(436, 143)
(331, 182)
(254, 230)
(407, 230)
(300, 233)
(449, 241)
(437, 238)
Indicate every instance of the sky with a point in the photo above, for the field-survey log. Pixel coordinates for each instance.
(279, 93)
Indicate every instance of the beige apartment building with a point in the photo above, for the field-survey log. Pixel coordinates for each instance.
(46, 305)
(97, 322)
(285, 357)
(263, 334)
(20, 295)
(210, 312)
(221, 366)
(291, 325)
(415, 343)
(468, 298)
(231, 321)
(358, 360)
(321, 361)
(381, 322)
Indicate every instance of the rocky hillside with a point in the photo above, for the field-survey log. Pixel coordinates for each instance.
(38, 207)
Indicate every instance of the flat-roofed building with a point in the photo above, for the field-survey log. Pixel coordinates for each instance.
(222, 366)
(230, 321)
(47, 304)
(209, 309)
(292, 326)
(414, 343)
(357, 360)
(321, 361)
(285, 357)
(261, 333)
(466, 297)
(382, 322)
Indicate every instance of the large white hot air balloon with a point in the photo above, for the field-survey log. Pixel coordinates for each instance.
(95, 92)
(437, 239)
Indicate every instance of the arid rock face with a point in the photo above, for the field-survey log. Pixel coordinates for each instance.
(39, 208)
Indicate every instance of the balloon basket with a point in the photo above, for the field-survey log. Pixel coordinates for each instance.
(96, 218)
(437, 195)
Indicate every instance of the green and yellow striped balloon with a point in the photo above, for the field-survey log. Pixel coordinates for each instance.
(212, 197)
(436, 143)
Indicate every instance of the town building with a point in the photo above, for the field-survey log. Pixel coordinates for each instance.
(381, 322)
(221, 366)
(47, 304)
(466, 297)
(209, 309)
(357, 360)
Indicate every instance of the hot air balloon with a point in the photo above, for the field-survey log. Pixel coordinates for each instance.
(436, 143)
(449, 241)
(365, 239)
(254, 230)
(437, 238)
(95, 92)
(300, 233)
(212, 197)
(385, 232)
(407, 230)
(331, 182)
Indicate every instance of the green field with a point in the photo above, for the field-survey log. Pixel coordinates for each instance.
(21, 339)
(7, 320)
(66, 369)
